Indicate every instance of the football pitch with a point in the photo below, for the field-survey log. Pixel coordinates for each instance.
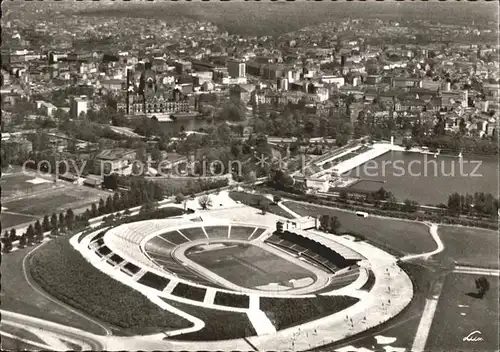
(249, 266)
(26, 198)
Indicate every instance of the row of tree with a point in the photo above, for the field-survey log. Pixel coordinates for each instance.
(479, 203)
(34, 233)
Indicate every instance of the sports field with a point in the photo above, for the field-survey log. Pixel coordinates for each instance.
(27, 198)
(469, 246)
(458, 314)
(404, 237)
(249, 266)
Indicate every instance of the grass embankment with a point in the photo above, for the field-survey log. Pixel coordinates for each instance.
(288, 312)
(258, 201)
(469, 246)
(397, 236)
(65, 274)
(219, 324)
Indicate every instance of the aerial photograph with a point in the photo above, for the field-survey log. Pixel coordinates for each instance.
(250, 176)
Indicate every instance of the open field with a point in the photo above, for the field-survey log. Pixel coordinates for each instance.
(249, 266)
(403, 237)
(457, 315)
(469, 246)
(24, 201)
(19, 295)
(40, 207)
(9, 220)
(16, 183)
(257, 201)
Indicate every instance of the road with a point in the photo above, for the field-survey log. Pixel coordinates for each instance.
(61, 332)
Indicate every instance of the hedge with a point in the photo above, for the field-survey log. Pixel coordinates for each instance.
(189, 292)
(134, 269)
(65, 274)
(288, 312)
(219, 324)
(232, 300)
(154, 281)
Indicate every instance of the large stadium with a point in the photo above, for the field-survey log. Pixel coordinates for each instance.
(257, 266)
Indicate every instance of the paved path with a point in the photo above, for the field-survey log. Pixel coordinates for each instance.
(425, 324)
(476, 270)
(433, 230)
(62, 333)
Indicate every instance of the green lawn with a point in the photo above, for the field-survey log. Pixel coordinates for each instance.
(458, 314)
(257, 201)
(9, 220)
(469, 246)
(403, 237)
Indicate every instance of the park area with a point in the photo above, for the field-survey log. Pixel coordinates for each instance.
(249, 266)
(259, 201)
(27, 198)
(397, 236)
(469, 246)
(458, 314)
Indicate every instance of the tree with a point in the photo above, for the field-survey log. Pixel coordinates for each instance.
(410, 206)
(53, 221)
(179, 198)
(276, 199)
(46, 223)
(13, 236)
(149, 206)
(454, 203)
(102, 207)
(343, 195)
(265, 209)
(22, 241)
(324, 222)
(30, 234)
(54, 232)
(205, 202)
(408, 143)
(7, 243)
(62, 222)
(109, 205)
(38, 232)
(482, 285)
(70, 218)
(334, 224)
(116, 202)
(93, 211)
(341, 139)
